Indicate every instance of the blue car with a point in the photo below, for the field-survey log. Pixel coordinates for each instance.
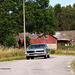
(37, 50)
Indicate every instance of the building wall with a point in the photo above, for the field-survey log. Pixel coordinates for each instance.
(52, 46)
(50, 40)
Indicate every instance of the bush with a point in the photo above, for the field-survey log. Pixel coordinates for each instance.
(52, 51)
(66, 47)
(27, 41)
(10, 41)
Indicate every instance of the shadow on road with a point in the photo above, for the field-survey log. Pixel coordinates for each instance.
(40, 58)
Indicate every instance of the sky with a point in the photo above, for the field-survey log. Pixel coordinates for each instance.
(62, 2)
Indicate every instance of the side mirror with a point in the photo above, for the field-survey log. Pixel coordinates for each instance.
(48, 48)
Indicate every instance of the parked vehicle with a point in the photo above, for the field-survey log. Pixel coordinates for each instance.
(37, 50)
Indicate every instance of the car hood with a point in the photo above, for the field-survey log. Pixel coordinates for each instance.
(35, 49)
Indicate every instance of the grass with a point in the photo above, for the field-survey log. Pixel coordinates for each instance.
(8, 54)
(73, 65)
(13, 58)
(65, 52)
(66, 48)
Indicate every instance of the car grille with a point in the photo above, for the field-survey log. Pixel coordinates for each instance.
(30, 51)
(35, 51)
(40, 51)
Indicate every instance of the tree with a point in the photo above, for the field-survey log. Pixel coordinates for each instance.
(38, 18)
(43, 3)
(10, 19)
(27, 41)
(51, 8)
(10, 41)
(57, 10)
(65, 17)
(74, 5)
(1, 1)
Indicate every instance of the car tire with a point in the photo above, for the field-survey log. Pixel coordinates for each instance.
(27, 57)
(45, 57)
(48, 56)
(32, 57)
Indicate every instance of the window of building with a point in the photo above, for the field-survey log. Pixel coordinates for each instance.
(46, 36)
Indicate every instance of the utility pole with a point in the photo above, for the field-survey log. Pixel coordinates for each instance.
(24, 24)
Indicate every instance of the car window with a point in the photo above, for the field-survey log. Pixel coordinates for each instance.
(36, 46)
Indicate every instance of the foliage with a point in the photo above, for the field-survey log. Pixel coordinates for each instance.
(27, 41)
(65, 17)
(1, 1)
(52, 51)
(73, 64)
(8, 54)
(11, 22)
(57, 10)
(66, 47)
(65, 52)
(10, 41)
(38, 18)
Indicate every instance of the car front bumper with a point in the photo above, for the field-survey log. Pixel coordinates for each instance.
(35, 54)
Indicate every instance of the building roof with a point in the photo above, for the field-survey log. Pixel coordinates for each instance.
(60, 35)
(30, 35)
(65, 35)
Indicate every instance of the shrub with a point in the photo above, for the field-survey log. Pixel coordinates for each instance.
(66, 47)
(10, 41)
(27, 41)
(52, 51)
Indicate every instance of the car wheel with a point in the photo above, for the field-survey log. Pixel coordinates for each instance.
(27, 57)
(45, 57)
(48, 56)
(32, 57)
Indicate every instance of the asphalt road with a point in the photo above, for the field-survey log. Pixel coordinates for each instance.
(56, 65)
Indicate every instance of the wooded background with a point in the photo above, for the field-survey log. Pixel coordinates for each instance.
(40, 18)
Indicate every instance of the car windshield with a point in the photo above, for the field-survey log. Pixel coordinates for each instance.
(37, 46)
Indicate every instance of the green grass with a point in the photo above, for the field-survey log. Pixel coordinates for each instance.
(65, 52)
(73, 65)
(13, 58)
(66, 48)
(8, 54)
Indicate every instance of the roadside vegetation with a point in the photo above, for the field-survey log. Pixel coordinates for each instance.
(64, 50)
(8, 54)
(73, 65)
